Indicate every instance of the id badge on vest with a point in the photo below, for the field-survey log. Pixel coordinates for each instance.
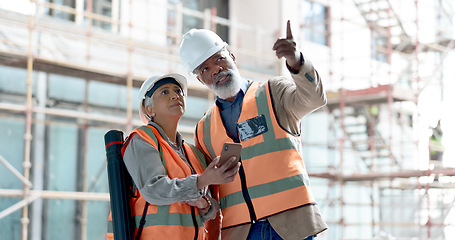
(252, 127)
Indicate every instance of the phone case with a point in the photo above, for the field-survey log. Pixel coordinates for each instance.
(229, 150)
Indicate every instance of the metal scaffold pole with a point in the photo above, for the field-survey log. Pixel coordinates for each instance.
(342, 139)
(84, 131)
(28, 124)
(129, 79)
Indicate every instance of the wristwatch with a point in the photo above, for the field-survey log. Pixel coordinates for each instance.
(301, 63)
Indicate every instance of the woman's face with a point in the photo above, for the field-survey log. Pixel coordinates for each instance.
(168, 102)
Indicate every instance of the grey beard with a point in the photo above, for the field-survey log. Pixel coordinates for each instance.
(229, 89)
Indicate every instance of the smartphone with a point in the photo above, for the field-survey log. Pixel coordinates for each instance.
(230, 150)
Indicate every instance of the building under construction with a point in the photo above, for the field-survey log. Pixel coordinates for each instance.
(379, 154)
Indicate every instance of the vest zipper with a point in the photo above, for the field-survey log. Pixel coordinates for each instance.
(193, 216)
(246, 195)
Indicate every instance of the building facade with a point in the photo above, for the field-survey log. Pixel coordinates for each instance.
(70, 71)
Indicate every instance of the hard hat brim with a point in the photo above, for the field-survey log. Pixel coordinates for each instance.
(201, 59)
(179, 78)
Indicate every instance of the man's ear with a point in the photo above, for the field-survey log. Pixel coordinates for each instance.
(232, 56)
(200, 80)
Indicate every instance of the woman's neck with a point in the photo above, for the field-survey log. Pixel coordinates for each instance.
(169, 127)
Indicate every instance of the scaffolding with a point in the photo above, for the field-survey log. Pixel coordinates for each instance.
(362, 139)
(358, 131)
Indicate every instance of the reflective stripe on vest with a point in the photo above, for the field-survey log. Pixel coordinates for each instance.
(174, 221)
(275, 174)
(163, 222)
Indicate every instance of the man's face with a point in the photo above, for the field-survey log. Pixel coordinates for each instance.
(220, 74)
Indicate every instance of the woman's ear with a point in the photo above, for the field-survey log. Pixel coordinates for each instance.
(149, 110)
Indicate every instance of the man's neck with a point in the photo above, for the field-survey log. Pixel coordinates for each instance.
(231, 99)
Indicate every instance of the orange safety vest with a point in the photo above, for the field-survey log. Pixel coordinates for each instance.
(272, 177)
(174, 221)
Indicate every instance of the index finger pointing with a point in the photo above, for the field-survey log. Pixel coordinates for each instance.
(288, 31)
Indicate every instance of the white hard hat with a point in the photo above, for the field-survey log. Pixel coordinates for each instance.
(197, 46)
(150, 83)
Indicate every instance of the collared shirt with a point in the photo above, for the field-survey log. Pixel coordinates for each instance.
(230, 111)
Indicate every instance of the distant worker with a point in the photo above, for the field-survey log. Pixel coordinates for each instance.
(169, 173)
(436, 147)
(371, 123)
(271, 198)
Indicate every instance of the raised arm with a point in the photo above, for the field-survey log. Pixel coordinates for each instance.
(295, 99)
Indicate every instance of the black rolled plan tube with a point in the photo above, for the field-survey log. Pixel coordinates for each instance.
(119, 186)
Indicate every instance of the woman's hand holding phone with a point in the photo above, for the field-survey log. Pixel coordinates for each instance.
(214, 174)
(228, 151)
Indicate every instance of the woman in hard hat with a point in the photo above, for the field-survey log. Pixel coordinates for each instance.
(169, 173)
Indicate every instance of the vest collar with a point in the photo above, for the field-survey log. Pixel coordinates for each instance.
(179, 139)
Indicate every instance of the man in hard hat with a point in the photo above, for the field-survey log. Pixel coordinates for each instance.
(271, 197)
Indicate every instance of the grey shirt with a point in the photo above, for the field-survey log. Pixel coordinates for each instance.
(145, 167)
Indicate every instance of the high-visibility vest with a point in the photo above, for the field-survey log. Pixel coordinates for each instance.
(272, 177)
(174, 221)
